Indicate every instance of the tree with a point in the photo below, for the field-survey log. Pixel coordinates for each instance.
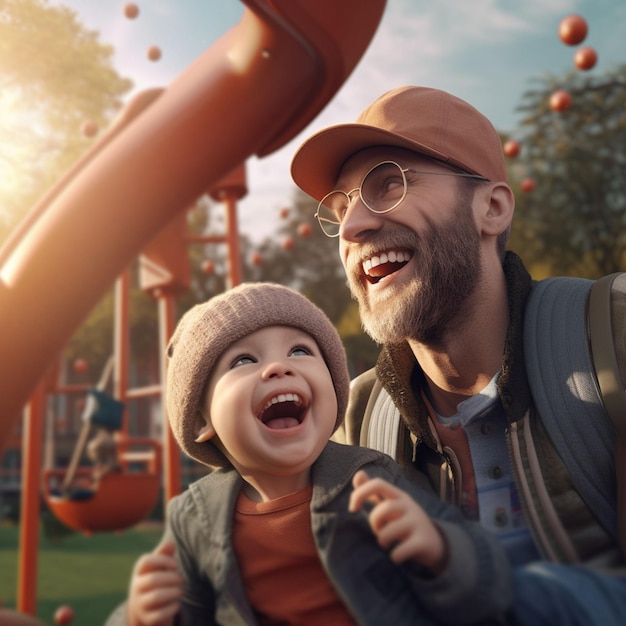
(309, 262)
(301, 256)
(574, 221)
(54, 77)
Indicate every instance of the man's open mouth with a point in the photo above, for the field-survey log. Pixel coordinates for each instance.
(285, 410)
(385, 263)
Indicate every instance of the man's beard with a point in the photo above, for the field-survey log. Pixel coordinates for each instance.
(436, 300)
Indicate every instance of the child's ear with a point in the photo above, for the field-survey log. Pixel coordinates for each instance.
(204, 429)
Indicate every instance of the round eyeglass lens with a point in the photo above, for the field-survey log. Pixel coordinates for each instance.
(331, 210)
(384, 187)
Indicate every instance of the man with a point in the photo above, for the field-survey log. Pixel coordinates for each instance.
(423, 210)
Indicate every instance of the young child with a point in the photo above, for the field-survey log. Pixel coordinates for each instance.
(289, 528)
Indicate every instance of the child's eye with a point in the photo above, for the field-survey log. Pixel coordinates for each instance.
(243, 359)
(300, 351)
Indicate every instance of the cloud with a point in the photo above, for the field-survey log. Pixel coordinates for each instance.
(482, 50)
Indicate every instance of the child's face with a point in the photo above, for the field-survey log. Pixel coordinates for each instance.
(271, 403)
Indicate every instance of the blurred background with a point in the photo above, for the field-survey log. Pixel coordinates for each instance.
(68, 68)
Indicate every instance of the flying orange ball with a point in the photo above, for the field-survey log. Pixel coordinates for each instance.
(511, 148)
(208, 267)
(585, 58)
(573, 30)
(131, 11)
(305, 230)
(64, 615)
(80, 366)
(154, 53)
(90, 128)
(560, 100)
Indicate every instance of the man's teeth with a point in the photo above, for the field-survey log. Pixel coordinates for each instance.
(283, 397)
(393, 256)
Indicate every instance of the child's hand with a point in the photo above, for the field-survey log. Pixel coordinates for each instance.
(155, 588)
(399, 523)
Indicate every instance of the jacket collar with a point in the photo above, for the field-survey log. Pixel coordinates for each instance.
(330, 474)
(333, 470)
(403, 378)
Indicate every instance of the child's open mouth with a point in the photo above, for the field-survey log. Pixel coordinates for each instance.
(285, 410)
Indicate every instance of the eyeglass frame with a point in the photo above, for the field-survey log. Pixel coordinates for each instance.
(403, 171)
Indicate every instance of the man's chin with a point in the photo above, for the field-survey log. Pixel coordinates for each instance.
(383, 323)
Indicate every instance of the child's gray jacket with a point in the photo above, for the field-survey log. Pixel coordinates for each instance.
(474, 587)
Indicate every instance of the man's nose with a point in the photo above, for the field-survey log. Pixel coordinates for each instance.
(359, 220)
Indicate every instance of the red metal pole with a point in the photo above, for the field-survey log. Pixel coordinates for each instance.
(30, 505)
(121, 341)
(171, 453)
(234, 256)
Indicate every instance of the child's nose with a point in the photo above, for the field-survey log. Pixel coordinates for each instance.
(277, 369)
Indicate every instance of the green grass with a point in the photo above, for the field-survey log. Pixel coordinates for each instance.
(90, 574)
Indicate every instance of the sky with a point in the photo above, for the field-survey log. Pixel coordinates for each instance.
(484, 51)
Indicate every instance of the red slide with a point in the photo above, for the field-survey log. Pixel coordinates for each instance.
(249, 93)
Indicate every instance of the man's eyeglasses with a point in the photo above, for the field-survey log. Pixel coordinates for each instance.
(382, 189)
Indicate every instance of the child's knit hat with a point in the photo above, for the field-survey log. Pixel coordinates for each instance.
(207, 329)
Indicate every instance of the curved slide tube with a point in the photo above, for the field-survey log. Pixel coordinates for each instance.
(249, 93)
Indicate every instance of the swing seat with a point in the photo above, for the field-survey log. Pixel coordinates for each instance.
(121, 499)
(103, 410)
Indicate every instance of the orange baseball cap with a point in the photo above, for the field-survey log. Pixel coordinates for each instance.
(427, 121)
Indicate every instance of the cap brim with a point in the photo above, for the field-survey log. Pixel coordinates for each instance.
(316, 165)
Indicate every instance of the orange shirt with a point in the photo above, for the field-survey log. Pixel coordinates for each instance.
(282, 573)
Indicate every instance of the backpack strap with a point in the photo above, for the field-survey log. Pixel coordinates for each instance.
(601, 324)
(606, 321)
(384, 425)
(565, 389)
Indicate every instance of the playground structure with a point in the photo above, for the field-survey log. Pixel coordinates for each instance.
(249, 93)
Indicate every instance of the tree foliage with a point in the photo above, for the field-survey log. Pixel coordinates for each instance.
(574, 222)
(55, 75)
(306, 259)
(301, 256)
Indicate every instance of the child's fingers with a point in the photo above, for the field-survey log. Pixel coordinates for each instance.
(373, 490)
(360, 478)
(155, 596)
(162, 595)
(400, 524)
(162, 558)
(156, 588)
(167, 548)
(158, 578)
(155, 562)
(166, 615)
(358, 495)
(160, 611)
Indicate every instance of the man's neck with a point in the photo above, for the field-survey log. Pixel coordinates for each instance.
(466, 361)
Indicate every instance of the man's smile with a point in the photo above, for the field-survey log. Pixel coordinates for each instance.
(384, 263)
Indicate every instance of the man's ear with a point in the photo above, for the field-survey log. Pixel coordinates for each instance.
(203, 429)
(498, 209)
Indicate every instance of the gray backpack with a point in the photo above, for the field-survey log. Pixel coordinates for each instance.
(576, 366)
(575, 356)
